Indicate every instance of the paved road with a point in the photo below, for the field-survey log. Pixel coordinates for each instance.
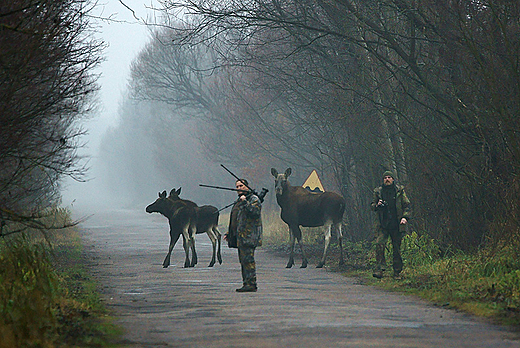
(198, 307)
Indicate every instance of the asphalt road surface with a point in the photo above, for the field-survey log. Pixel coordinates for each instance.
(198, 307)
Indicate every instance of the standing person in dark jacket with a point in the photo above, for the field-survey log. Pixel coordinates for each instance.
(393, 210)
(246, 223)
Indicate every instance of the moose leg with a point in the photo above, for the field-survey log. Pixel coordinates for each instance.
(291, 255)
(194, 259)
(340, 242)
(191, 244)
(185, 245)
(327, 242)
(304, 258)
(298, 235)
(173, 240)
(218, 235)
(213, 239)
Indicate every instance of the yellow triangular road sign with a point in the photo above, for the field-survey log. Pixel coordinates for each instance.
(313, 183)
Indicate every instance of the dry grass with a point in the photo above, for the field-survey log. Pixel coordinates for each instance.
(46, 296)
(276, 236)
(276, 232)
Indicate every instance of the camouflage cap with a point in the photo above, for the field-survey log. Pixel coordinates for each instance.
(389, 173)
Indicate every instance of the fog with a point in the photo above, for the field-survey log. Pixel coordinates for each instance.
(131, 152)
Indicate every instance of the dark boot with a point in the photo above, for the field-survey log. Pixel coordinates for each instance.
(379, 271)
(378, 274)
(247, 288)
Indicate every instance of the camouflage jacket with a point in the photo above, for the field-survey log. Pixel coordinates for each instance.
(249, 222)
(402, 204)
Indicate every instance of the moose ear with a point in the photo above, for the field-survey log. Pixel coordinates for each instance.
(162, 194)
(172, 191)
(274, 172)
(288, 172)
(178, 192)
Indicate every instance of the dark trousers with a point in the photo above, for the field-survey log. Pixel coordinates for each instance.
(381, 238)
(246, 256)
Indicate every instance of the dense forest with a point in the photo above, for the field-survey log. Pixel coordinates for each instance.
(428, 89)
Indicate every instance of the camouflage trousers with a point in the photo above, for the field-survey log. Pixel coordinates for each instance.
(381, 239)
(246, 256)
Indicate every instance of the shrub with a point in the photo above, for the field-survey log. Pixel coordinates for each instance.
(28, 290)
(418, 250)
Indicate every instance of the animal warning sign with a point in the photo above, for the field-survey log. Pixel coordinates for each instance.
(313, 183)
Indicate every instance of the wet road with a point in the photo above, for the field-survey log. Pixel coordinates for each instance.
(198, 307)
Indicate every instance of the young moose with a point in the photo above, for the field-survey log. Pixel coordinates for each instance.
(301, 207)
(206, 222)
(182, 220)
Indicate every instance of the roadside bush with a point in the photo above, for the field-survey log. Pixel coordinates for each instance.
(417, 250)
(47, 298)
(28, 289)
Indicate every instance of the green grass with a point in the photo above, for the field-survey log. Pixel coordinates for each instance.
(485, 283)
(47, 298)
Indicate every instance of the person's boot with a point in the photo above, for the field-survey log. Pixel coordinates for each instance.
(247, 288)
(379, 271)
(378, 274)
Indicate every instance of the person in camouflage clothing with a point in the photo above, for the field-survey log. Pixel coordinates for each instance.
(393, 211)
(246, 223)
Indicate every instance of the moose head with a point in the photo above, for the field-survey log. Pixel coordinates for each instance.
(280, 180)
(174, 194)
(160, 205)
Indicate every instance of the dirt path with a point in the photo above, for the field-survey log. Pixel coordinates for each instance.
(198, 307)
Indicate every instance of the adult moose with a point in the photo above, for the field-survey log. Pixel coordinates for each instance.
(206, 222)
(301, 207)
(182, 220)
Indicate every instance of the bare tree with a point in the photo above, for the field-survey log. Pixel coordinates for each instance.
(253, 109)
(392, 84)
(46, 83)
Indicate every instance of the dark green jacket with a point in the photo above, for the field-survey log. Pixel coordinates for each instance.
(402, 204)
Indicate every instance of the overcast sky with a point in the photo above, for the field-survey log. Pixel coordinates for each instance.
(125, 36)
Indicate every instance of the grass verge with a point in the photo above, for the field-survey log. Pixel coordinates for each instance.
(485, 283)
(47, 297)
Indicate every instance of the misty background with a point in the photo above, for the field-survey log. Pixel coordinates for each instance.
(134, 149)
(349, 89)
